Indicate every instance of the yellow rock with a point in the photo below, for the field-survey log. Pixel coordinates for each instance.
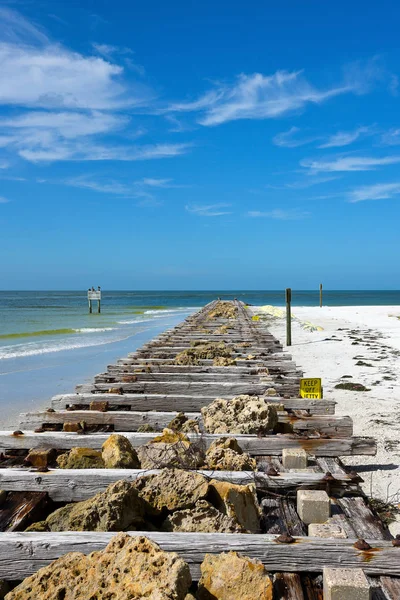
(118, 453)
(237, 501)
(231, 576)
(129, 567)
(81, 458)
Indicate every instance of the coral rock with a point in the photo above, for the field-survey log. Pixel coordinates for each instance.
(201, 351)
(171, 449)
(118, 508)
(203, 517)
(230, 576)
(237, 501)
(222, 361)
(129, 567)
(225, 454)
(118, 453)
(81, 458)
(170, 490)
(243, 414)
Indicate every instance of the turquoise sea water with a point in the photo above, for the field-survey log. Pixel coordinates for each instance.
(34, 323)
(49, 342)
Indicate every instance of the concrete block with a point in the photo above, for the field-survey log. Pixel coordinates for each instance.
(313, 506)
(292, 458)
(345, 584)
(326, 530)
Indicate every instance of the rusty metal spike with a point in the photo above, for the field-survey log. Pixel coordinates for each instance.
(362, 545)
(285, 538)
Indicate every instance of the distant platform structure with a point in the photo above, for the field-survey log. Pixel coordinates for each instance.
(94, 295)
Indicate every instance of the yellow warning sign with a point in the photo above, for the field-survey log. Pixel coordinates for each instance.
(311, 388)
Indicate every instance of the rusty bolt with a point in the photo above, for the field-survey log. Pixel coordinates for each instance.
(18, 432)
(285, 538)
(362, 545)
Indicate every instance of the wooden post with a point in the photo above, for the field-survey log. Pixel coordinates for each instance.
(288, 295)
(90, 306)
(320, 295)
(98, 305)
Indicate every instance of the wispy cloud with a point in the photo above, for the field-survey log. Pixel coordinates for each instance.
(345, 138)
(279, 214)
(290, 139)
(4, 200)
(135, 189)
(348, 163)
(16, 28)
(258, 96)
(379, 191)
(210, 210)
(391, 137)
(4, 164)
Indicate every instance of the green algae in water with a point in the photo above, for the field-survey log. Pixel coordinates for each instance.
(10, 336)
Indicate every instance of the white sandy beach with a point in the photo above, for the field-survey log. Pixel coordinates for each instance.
(370, 334)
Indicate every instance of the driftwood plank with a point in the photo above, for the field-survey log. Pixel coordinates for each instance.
(181, 402)
(272, 444)
(72, 485)
(22, 554)
(336, 426)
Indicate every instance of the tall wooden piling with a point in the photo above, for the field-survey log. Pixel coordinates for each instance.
(288, 294)
(320, 295)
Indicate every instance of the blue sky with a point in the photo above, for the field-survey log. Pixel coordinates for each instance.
(199, 145)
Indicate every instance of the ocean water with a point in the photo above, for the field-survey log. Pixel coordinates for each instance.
(39, 323)
(49, 342)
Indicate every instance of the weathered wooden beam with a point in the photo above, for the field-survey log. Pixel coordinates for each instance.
(194, 388)
(73, 485)
(259, 446)
(22, 554)
(181, 402)
(337, 426)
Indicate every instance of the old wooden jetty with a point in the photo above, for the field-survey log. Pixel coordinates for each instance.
(146, 390)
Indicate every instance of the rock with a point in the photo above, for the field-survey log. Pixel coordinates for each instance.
(118, 453)
(204, 518)
(243, 414)
(81, 458)
(171, 449)
(41, 457)
(39, 526)
(170, 490)
(118, 508)
(129, 567)
(101, 406)
(177, 422)
(202, 350)
(71, 427)
(222, 309)
(191, 426)
(222, 361)
(230, 576)
(146, 428)
(225, 454)
(237, 501)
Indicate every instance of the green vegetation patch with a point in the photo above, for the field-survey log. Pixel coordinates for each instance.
(353, 387)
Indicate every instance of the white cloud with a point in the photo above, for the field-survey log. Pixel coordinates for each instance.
(152, 182)
(344, 138)
(65, 124)
(391, 137)
(3, 200)
(14, 28)
(259, 96)
(348, 163)
(89, 151)
(288, 139)
(279, 214)
(53, 77)
(379, 191)
(4, 164)
(211, 210)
